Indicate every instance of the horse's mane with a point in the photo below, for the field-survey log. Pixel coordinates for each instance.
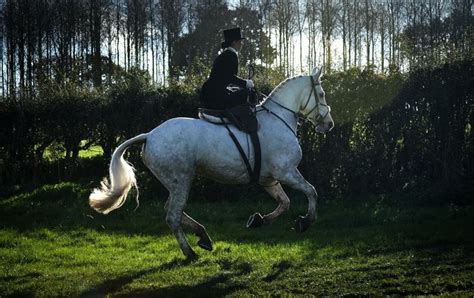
(283, 83)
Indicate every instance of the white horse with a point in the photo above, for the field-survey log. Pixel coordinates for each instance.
(180, 148)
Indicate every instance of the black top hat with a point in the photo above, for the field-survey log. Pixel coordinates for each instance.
(231, 35)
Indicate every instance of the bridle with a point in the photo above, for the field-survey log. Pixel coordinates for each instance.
(319, 117)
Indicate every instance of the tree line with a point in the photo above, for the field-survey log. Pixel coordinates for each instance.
(87, 41)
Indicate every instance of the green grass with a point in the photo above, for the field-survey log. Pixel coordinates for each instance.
(56, 151)
(53, 244)
(93, 151)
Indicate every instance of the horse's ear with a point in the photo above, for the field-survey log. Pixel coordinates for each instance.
(317, 72)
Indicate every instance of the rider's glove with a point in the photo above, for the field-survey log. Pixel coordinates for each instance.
(250, 84)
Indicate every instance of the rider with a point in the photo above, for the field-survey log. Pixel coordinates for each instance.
(215, 93)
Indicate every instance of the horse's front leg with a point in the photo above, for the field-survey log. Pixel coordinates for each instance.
(277, 192)
(295, 180)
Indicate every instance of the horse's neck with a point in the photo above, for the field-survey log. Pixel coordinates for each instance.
(281, 114)
(284, 99)
(289, 94)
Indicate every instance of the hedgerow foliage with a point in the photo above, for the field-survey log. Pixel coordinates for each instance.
(393, 132)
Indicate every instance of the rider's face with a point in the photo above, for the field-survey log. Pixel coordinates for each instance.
(238, 44)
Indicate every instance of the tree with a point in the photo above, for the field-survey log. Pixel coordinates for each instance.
(264, 8)
(284, 18)
(137, 21)
(81, 41)
(312, 8)
(367, 25)
(301, 22)
(96, 9)
(345, 27)
(394, 19)
(354, 23)
(173, 20)
(2, 49)
(203, 43)
(328, 19)
(382, 12)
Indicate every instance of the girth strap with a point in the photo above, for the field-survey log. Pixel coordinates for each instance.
(255, 173)
(258, 157)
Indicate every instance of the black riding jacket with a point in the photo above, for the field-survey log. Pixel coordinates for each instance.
(214, 92)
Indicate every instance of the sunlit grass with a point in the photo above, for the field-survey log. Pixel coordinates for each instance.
(93, 151)
(56, 151)
(52, 244)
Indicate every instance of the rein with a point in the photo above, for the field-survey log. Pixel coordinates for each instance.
(280, 118)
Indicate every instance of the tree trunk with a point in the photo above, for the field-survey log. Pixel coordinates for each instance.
(96, 23)
(152, 39)
(382, 42)
(163, 48)
(11, 49)
(344, 33)
(117, 41)
(2, 51)
(367, 30)
(349, 37)
(355, 32)
(301, 51)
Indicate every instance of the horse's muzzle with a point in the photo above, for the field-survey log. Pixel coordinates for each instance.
(324, 127)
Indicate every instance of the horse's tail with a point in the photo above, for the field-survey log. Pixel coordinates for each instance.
(122, 177)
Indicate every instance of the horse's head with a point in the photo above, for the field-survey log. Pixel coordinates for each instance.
(313, 102)
(304, 96)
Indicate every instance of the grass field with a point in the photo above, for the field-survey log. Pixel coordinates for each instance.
(56, 151)
(53, 244)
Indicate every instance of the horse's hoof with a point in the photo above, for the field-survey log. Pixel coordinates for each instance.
(192, 256)
(205, 243)
(302, 223)
(255, 220)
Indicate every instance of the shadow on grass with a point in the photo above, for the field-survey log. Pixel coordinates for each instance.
(113, 285)
(277, 270)
(215, 286)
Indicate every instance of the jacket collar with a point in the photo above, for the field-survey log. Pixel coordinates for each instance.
(231, 49)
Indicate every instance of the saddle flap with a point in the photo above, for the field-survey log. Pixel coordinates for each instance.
(241, 116)
(212, 118)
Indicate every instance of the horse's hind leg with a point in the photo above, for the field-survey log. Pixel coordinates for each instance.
(198, 229)
(174, 217)
(277, 192)
(178, 186)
